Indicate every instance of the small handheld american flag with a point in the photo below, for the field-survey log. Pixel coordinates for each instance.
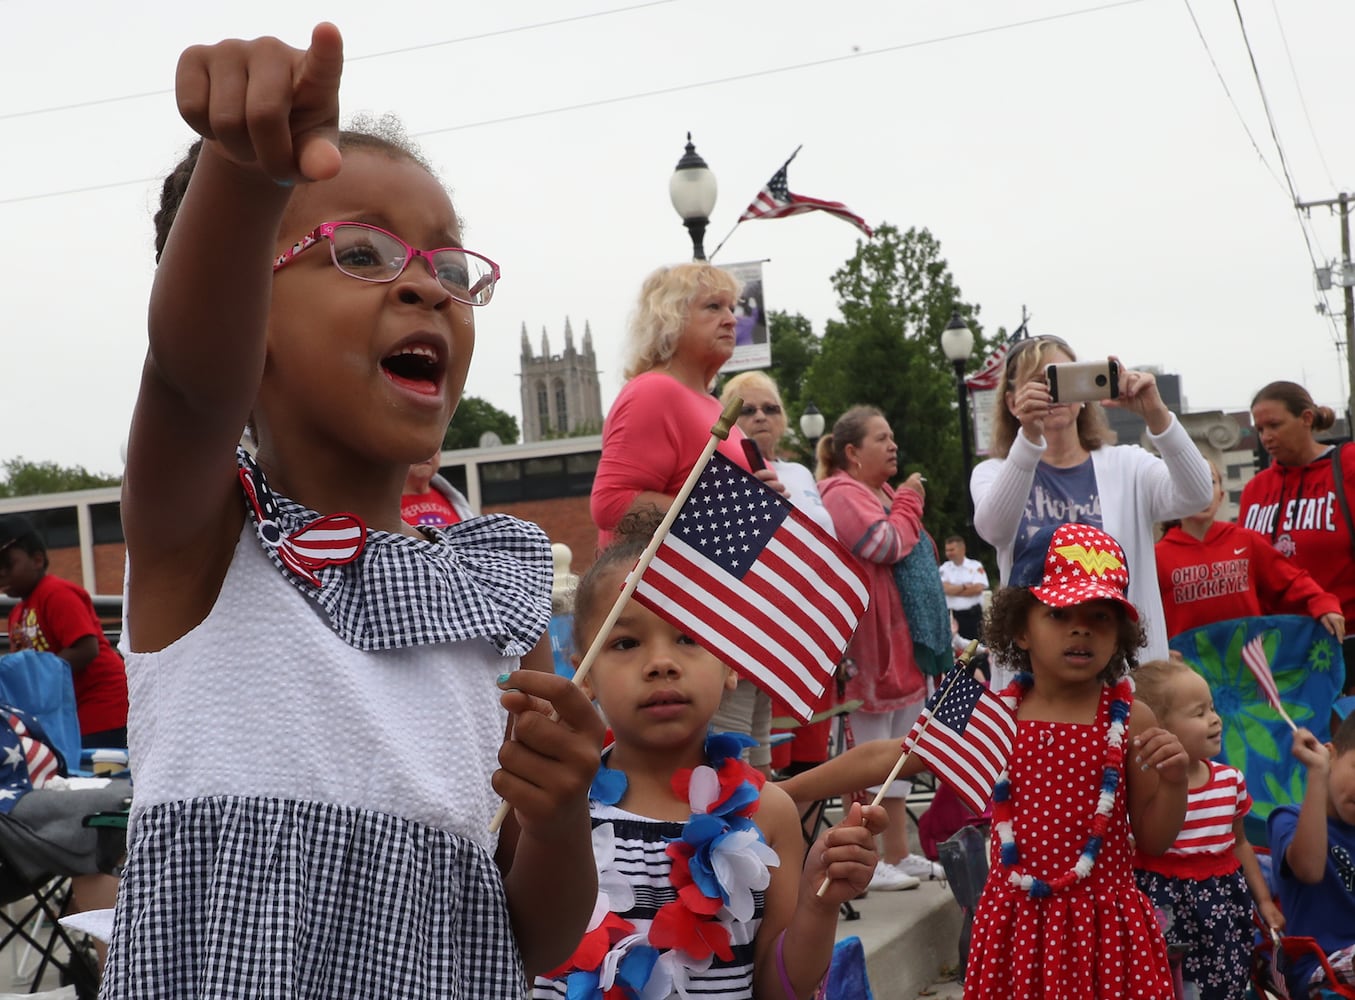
(1254, 656)
(758, 584)
(965, 734)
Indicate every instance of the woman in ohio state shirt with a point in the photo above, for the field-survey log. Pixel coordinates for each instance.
(1294, 503)
(1211, 571)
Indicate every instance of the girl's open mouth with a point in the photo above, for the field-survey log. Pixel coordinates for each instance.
(416, 367)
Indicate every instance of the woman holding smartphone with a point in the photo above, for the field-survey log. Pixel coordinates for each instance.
(1055, 462)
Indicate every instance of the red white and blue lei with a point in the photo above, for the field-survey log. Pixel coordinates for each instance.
(1122, 699)
(718, 862)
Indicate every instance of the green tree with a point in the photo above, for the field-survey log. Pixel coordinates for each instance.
(474, 416)
(25, 479)
(896, 295)
(794, 347)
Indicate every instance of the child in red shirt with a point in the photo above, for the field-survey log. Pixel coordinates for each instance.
(56, 616)
(1210, 571)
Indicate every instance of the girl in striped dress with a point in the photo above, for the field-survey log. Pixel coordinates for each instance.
(1208, 879)
(703, 887)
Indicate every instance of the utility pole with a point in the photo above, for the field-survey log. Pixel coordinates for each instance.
(1342, 202)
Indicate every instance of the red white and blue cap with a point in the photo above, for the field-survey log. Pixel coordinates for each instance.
(1081, 564)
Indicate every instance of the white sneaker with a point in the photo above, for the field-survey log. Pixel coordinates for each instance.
(919, 867)
(887, 878)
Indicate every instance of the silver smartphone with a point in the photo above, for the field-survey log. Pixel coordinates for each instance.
(1080, 381)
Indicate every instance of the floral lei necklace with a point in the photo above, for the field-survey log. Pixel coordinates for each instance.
(719, 860)
(1122, 698)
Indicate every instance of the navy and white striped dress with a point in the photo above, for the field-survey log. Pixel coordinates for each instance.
(312, 770)
(641, 857)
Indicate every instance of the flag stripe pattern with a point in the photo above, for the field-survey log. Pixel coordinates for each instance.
(776, 201)
(989, 375)
(965, 734)
(758, 584)
(38, 756)
(1254, 656)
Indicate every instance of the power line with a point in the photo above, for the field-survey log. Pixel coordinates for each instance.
(1229, 94)
(812, 64)
(1303, 103)
(1284, 164)
(370, 55)
(601, 102)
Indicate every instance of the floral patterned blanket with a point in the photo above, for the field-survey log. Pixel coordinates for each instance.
(1309, 673)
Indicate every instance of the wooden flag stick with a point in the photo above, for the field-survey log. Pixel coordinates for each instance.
(1285, 716)
(718, 433)
(960, 661)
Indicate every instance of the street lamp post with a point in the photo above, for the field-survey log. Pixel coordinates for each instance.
(957, 342)
(811, 426)
(692, 189)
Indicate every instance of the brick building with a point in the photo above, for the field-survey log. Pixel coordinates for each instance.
(547, 482)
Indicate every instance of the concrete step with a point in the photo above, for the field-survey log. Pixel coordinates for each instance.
(908, 937)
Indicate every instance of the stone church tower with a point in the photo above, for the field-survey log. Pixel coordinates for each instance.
(560, 392)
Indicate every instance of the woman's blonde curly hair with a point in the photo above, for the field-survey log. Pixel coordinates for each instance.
(661, 314)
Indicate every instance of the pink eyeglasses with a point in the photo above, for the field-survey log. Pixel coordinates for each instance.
(370, 253)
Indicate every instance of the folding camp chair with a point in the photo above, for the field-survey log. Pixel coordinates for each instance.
(814, 816)
(1272, 957)
(44, 841)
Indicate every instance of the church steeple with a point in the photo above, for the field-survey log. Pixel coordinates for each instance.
(560, 393)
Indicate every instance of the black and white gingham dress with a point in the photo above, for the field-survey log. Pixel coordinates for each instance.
(312, 771)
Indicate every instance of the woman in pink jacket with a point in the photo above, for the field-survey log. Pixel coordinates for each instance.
(879, 525)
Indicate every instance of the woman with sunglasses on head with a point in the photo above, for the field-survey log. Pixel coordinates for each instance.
(318, 689)
(1054, 463)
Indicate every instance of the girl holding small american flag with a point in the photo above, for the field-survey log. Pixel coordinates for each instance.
(1060, 915)
(704, 887)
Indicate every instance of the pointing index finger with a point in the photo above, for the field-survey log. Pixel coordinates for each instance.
(315, 104)
(323, 64)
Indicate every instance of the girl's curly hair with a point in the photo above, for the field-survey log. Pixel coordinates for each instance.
(1008, 619)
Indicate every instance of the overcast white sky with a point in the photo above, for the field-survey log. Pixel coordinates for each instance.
(1075, 156)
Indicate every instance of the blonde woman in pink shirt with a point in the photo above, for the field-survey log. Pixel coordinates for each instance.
(681, 333)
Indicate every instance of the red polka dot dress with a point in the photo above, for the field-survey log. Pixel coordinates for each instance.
(1094, 940)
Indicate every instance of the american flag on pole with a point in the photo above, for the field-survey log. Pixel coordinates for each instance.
(965, 734)
(989, 375)
(776, 201)
(1254, 656)
(758, 584)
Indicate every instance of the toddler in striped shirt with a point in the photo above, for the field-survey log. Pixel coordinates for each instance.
(1209, 878)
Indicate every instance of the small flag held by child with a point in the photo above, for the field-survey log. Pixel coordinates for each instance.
(1254, 656)
(965, 734)
(757, 583)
